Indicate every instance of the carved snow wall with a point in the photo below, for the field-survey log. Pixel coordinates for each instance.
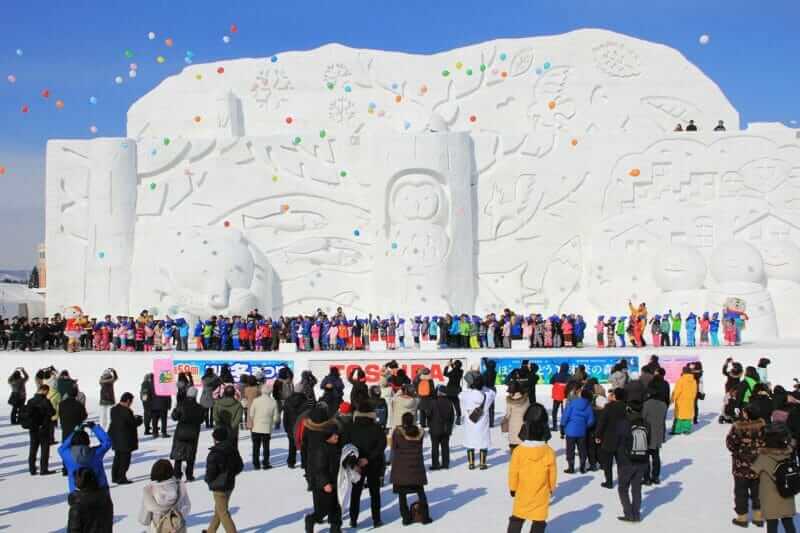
(540, 174)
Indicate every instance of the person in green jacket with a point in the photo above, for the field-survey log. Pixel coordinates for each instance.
(665, 327)
(463, 330)
(621, 330)
(228, 413)
(677, 322)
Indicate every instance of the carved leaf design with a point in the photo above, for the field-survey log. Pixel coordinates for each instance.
(617, 60)
(522, 62)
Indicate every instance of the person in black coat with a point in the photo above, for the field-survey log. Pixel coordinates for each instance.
(159, 409)
(441, 418)
(606, 432)
(297, 404)
(368, 436)
(408, 468)
(189, 415)
(90, 507)
(490, 378)
(146, 393)
(323, 473)
(71, 414)
(454, 375)
(37, 416)
(223, 464)
(124, 438)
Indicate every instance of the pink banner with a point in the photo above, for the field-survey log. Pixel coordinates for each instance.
(164, 377)
(674, 366)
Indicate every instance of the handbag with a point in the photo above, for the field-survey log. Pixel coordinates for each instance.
(504, 425)
(476, 414)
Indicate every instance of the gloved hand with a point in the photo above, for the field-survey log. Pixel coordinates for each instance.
(513, 494)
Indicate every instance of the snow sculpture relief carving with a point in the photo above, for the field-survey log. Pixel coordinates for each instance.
(541, 174)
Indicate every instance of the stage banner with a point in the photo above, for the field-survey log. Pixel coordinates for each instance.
(239, 367)
(596, 366)
(674, 366)
(164, 377)
(373, 367)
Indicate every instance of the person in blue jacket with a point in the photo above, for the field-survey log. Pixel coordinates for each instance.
(691, 328)
(578, 418)
(455, 330)
(579, 331)
(76, 453)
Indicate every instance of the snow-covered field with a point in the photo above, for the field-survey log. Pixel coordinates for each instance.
(696, 492)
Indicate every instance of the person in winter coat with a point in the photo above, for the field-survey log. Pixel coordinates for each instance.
(403, 403)
(282, 389)
(454, 374)
(18, 396)
(190, 416)
(761, 401)
(223, 464)
(90, 507)
(425, 392)
(71, 413)
(76, 453)
(517, 404)
(228, 413)
(631, 468)
(297, 404)
(159, 410)
(38, 417)
(532, 473)
(747, 386)
(124, 438)
(311, 433)
(490, 379)
(262, 417)
(744, 440)
(164, 495)
(777, 448)
(558, 391)
(210, 383)
(441, 419)
(635, 389)
(578, 418)
(358, 386)
(408, 468)
(107, 397)
(333, 388)
(606, 433)
(683, 397)
(619, 375)
(323, 473)
(475, 401)
(654, 413)
(146, 393)
(370, 440)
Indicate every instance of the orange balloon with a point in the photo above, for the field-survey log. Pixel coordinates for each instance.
(398, 98)
(551, 104)
(574, 142)
(198, 118)
(168, 41)
(2, 170)
(59, 104)
(284, 208)
(634, 172)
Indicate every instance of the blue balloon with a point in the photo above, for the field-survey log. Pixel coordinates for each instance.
(93, 100)
(274, 59)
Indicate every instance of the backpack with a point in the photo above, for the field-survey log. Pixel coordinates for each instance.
(787, 478)
(171, 522)
(424, 388)
(639, 442)
(25, 418)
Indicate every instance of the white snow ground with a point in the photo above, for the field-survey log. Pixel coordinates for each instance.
(695, 494)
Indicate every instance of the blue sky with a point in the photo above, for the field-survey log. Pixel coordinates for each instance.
(76, 48)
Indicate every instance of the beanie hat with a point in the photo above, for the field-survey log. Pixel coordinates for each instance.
(220, 434)
(345, 408)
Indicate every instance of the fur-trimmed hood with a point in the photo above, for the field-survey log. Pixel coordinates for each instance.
(749, 426)
(405, 435)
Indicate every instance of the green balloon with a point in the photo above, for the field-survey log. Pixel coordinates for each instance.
(469, 72)
(445, 73)
(483, 68)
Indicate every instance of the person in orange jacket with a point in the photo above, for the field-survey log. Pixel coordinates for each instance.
(683, 397)
(532, 473)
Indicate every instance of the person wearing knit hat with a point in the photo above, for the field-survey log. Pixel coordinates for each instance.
(189, 415)
(322, 469)
(441, 419)
(532, 472)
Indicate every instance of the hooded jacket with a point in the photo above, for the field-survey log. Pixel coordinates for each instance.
(773, 505)
(532, 479)
(90, 511)
(161, 496)
(76, 457)
(516, 405)
(578, 418)
(744, 440)
(223, 464)
(408, 465)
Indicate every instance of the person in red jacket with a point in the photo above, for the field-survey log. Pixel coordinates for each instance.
(559, 391)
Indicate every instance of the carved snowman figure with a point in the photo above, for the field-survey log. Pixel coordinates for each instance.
(782, 266)
(679, 271)
(737, 269)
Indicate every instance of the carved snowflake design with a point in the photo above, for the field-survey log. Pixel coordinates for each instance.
(341, 110)
(616, 59)
(268, 84)
(336, 72)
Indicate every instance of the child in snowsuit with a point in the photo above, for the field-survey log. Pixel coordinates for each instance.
(665, 329)
(677, 322)
(621, 330)
(611, 328)
(655, 330)
(691, 328)
(713, 329)
(705, 324)
(600, 328)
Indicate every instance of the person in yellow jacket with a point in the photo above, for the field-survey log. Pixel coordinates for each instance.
(683, 396)
(532, 473)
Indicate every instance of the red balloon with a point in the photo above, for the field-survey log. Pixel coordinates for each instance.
(25, 108)
(220, 70)
(46, 93)
(234, 28)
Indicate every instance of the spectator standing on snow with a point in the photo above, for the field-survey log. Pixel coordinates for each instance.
(370, 440)
(408, 468)
(517, 404)
(578, 418)
(124, 438)
(632, 462)
(477, 436)
(107, 397)
(37, 418)
(223, 464)
(263, 413)
(165, 501)
(744, 440)
(76, 453)
(441, 419)
(322, 466)
(228, 413)
(654, 413)
(190, 416)
(776, 508)
(606, 433)
(90, 507)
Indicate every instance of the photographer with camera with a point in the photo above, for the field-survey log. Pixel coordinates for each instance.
(76, 453)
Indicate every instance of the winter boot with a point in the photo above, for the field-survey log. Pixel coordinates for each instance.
(310, 523)
(758, 519)
(483, 454)
(740, 520)
(471, 459)
(458, 420)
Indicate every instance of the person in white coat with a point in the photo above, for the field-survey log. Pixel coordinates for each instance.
(164, 499)
(476, 401)
(262, 415)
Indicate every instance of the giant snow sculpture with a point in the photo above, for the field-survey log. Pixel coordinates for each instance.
(539, 174)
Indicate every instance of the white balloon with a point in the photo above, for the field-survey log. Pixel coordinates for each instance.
(704, 39)
(132, 74)
(226, 39)
(151, 35)
(93, 129)
(118, 80)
